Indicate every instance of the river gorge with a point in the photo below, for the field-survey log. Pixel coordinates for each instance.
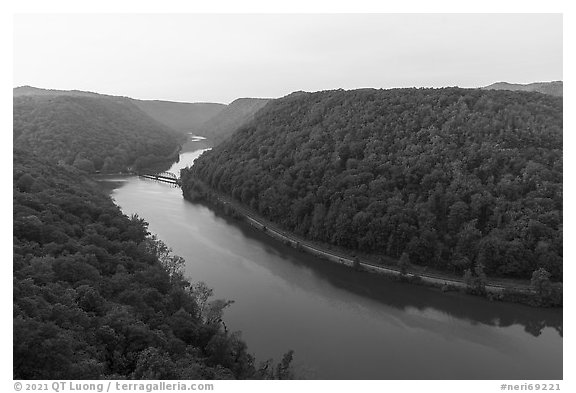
(341, 324)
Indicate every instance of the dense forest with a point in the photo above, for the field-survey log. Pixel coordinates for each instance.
(93, 133)
(95, 296)
(233, 116)
(461, 180)
(184, 117)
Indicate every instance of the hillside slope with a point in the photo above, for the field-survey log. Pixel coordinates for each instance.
(552, 88)
(35, 91)
(236, 114)
(454, 178)
(96, 297)
(183, 117)
(91, 132)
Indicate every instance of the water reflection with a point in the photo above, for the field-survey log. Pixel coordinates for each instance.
(427, 300)
(343, 324)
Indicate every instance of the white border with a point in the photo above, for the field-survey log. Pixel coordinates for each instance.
(296, 6)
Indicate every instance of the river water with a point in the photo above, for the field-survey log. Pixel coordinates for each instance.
(342, 324)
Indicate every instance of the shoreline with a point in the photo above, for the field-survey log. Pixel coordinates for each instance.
(189, 145)
(494, 291)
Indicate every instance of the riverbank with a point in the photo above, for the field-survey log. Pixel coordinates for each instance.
(287, 299)
(497, 290)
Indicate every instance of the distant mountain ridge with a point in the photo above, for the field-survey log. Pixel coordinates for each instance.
(554, 88)
(235, 115)
(183, 117)
(30, 90)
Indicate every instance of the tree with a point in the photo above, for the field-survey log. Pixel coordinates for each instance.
(25, 182)
(172, 264)
(459, 263)
(154, 364)
(541, 284)
(84, 164)
(284, 368)
(404, 263)
(476, 280)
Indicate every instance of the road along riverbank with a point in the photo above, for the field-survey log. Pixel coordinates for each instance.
(341, 323)
(196, 190)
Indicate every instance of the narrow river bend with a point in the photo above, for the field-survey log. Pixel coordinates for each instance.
(340, 323)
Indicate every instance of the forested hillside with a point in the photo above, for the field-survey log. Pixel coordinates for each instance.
(94, 133)
(455, 178)
(232, 117)
(96, 297)
(553, 88)
(182, 116)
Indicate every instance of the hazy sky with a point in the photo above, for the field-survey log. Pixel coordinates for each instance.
(218, 58)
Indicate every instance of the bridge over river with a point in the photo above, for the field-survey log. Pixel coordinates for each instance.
(342, 324)
(165, 177)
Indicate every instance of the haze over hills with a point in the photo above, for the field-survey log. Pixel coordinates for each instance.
(552, 88)
(91, 132)
(183, 117)
(233, 116)
(30, 90)
(453, 178)
(100, 132)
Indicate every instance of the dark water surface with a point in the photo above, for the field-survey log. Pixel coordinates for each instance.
(340, 323)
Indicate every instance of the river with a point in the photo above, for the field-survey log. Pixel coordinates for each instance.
(341, 324)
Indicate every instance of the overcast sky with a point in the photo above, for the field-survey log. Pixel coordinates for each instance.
(218, 58)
